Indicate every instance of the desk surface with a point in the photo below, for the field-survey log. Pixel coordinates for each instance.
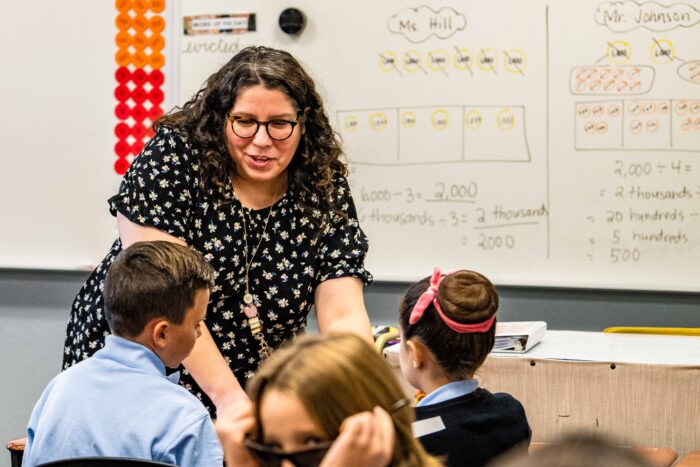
(628, 348)
(601, 347)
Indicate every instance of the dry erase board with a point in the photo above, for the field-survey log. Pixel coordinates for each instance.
(544, 143)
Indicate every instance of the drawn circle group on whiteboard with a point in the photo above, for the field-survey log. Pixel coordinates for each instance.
(484, 60)
(606, 79)
(689, 112)
(139, 59)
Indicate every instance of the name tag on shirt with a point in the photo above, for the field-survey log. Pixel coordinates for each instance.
(427, 426)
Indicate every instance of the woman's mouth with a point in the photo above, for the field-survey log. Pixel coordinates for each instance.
(259, 161)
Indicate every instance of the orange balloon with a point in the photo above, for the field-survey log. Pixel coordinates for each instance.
(157, 24)
(157, 6)
(123, 5)
(140, 6)
(140, 41)
(156, 42)
(122, 57)
(123, 21)
(123, 39)
(156, 60)
(140, 59)
(140, 23)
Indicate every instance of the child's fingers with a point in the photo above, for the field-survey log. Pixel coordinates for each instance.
(385, 432)
(366, 438)
(232, 427)
(236, 422)
(359, 429)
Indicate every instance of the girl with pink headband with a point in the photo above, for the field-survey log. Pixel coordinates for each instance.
(448, 327)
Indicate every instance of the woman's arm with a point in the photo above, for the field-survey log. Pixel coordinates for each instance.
(206, 364)
(131, 232)
(340, 307)
(208, 367)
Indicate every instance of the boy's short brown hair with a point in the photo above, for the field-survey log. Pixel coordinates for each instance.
(150, 280)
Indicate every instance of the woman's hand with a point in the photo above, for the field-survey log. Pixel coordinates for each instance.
(233, 425)
(366, 438)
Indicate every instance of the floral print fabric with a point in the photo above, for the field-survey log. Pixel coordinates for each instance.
(161, 189)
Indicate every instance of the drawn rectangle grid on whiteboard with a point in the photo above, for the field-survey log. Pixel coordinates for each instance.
(422, 129)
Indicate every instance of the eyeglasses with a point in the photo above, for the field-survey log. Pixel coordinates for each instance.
(277, 129)
(311, 457)
(273, 457)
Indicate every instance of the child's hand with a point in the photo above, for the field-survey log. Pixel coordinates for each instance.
(366, 438)
(232, 427)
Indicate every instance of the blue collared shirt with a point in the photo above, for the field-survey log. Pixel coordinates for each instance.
(449, 391)
(120, 403)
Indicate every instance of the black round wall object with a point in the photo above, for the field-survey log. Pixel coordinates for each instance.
(292, 21)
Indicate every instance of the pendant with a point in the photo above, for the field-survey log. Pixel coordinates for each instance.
(251, 312)
(247, 299)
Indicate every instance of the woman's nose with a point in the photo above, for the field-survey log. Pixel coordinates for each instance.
(261, 138)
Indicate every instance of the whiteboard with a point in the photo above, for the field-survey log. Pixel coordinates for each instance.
(541, 143)
(57, 133)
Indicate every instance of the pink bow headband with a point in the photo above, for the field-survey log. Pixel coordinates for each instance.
(430, 296)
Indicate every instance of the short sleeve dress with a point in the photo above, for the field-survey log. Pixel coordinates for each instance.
(162, 189)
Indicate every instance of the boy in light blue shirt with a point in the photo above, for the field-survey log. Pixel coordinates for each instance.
(121, 402)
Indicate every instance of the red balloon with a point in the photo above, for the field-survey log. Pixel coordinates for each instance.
(121, 165)
(122, 111)
(122, 93)
(139, 76)
(138, 95)
(122, 148)
(138, 131)
(156, 78)
(122, 130)
(156, 96)
(138, 113)
(123, 75)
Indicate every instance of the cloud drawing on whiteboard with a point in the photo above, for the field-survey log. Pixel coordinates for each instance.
(420, 23)
(629, 15)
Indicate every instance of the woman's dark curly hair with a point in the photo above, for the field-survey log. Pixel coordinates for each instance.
(317, 159)
(466, 297)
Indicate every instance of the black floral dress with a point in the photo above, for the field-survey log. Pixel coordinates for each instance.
(161, 189)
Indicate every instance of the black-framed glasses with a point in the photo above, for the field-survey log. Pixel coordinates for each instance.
(277, 129)
(310, 457)
(273, 457)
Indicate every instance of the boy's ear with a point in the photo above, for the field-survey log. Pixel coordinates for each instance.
(159, 333)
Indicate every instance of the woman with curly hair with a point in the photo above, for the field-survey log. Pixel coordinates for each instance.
(248, 172)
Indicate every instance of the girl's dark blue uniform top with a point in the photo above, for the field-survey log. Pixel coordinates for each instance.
(478, 427)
